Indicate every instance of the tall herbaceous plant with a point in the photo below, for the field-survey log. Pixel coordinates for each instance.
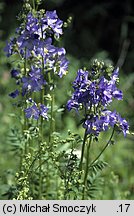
(45, 170)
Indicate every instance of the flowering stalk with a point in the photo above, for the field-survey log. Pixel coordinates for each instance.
(51, 82)
(40, 172)
(52, 115)
(93, 92)
(25, 119)
(42, 62)
(84, 141)
(42, 93)
(33, 4)
(109, 141)
(83, 150)
(86, 168)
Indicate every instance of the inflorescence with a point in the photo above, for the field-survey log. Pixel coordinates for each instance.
(94, 90)
(34, 46)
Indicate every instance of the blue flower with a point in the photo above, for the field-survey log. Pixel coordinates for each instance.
(31, 84)
(43, 111)
(63, 66)
(35, 111)
(34, 82)
(118, 94)
(32, 111)
(27, 43)
(45, 49)
(10, 47)
(81, 79)
(32, 24)
(115, 75)
(54, 22)
(92, 125)
(14, 94)
(122, 125)
(37, 76)
(95, 124)
(14, 73)
(73, 104)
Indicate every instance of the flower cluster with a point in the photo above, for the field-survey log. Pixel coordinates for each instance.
(93, 92)
(34, 45)
(95, 124)
(36, 110)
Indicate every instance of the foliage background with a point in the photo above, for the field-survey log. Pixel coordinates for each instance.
(99, 29)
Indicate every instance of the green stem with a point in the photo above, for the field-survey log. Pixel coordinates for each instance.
(21, 158)
(103, 149)
(86, 168)
(82, 151)
(52, 113)
(22, 151)
(25, 120)
(31, 143)
(40, 172)
(66, 180)
(34, 4)
(40, 140)
(51, 130)
(40, 146)
(84, 141)
(41, 127)
(52, 125)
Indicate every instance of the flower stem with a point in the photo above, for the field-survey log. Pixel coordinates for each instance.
(84, 141)
(34, 4)
(40, 146)
(103, 149)
(52, 125)
(82, 151)
(86, 168)
(25, 120)
(52, 113)
(41, 126)
(40, 172)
